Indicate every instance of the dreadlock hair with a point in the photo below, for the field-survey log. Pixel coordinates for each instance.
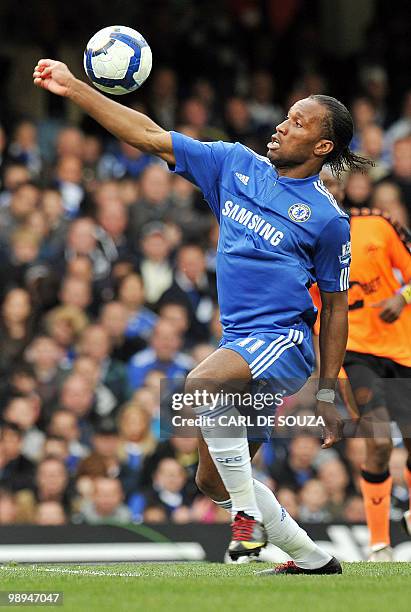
(339, 128)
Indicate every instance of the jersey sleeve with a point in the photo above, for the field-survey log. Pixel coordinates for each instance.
(332, 256)
(399, 254)
(201, 163)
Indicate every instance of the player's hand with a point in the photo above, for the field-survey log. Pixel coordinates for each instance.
(333, 428)
(391, 308)
(53, 76)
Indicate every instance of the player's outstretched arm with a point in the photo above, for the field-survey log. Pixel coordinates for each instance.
(124, 123)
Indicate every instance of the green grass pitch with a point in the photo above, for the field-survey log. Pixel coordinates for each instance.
(200, 587)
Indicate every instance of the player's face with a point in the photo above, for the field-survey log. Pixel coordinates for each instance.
(298, 138)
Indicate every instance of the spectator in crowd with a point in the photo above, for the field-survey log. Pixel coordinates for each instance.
(264, 113)
(401, 128)
(24, 148)
(23, 203)
(44, 354)
(134, 421)
(65, 424)
(13, 176)
(16, 328)
(56, 446)
(23, 265)
(297, 468)
(353, 511)
(136, 443)
(8, 507)
(51, 204)
(239, 123)
(195, 114)
(105, 401)
(401, 169)
(50, 513)
(364, 114)
(114, 318)
(154, 201)
(163, 101)
(77, 396)
(65, 324)
(141, 320)
(76, 292)
(25, 412)
(177, 314)
(149, 398)
(194, 287)
(375, 84)
(202, 510)
(372, 146)
(82, 241)
(69, 141)
(168, 489)
(52, 482)
(313, 508)
(155, 267)
(358, 189)
(112, 218)
(50, 485)
(387, 197)
(91, 153)
(162, 354)
(106, 504)
(16, 471)
(69, 182)
(334, 478)
(123, 161)
(95, 343)
(22, 382)
(183, 450)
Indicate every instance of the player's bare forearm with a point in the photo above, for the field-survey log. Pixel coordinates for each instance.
(333, 336)
(333, 341)
(124, 123)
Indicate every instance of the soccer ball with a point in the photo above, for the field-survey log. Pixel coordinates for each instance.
(117, 60)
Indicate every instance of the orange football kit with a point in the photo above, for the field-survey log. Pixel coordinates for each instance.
(376, 350)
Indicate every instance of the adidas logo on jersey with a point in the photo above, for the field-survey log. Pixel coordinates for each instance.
(243, 178)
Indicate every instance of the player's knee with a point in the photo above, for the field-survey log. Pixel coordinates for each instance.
(379, 451)
(200, 379)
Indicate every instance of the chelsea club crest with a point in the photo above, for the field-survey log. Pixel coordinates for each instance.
(299, 212)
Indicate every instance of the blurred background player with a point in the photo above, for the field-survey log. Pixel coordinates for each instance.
(378, 358)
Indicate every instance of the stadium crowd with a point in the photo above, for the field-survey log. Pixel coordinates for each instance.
(107, 287)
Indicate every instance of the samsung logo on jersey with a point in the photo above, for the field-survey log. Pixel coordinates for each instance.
(245, 217)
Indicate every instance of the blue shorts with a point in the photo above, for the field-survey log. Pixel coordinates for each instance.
(280, 362)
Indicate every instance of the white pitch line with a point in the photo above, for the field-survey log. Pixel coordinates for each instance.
(70, 571)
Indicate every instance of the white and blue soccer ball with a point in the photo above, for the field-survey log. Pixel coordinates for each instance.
(117, 60)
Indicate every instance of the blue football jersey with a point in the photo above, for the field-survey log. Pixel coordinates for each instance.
(278, 236)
